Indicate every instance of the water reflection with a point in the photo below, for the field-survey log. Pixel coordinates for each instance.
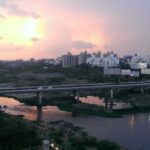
(92, 100)
(101, 101)
(149, 118)
(132, 121)
(30, 112)
(9, 102)
(39, 113)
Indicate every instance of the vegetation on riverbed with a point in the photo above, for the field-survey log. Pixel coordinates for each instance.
(66, 136)
(34, 73)
(17, 134)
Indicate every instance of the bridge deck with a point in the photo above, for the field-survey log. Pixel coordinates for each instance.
(44, 89)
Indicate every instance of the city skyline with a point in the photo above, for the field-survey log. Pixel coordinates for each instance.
(47, 28)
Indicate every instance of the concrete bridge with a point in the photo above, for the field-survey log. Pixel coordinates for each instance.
(75, 88)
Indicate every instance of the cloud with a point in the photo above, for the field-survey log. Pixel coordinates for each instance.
(2, 16)
(16, 10)
(82, 44)
(11, 47)
(107, 46)
(35, 39)
(34, 15)
(1, 38)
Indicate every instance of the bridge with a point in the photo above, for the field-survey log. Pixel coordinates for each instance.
(75, 88)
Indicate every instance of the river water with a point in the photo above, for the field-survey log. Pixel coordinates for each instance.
(132, 131)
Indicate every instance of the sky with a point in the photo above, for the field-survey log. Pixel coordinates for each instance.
(51, 28)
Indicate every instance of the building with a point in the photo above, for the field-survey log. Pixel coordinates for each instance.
(69, 60)
(108, 60)
(75, 60)
(82, 57)
(52, 62)
(138, 65)
(139, 61)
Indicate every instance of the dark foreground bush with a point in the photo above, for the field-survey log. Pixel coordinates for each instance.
(16, 134)
(106, 145)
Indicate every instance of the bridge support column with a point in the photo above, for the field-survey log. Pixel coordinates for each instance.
(111, 94)
(106, 104)
(39, 113)
(39, 95)
(74, 94)
(111, 105)
(111, 99)
(77, 96)
(142, 88)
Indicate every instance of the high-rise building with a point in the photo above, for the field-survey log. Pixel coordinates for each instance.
(66, 60)
(69, 60)
(75, 60)
(82, 57)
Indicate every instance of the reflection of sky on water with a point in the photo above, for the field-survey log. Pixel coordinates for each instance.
(9, 102)
(29, 112)
(98, 101)
(132, 121)
(92, 100)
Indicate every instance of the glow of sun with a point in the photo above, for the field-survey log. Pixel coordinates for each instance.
(30, 29)
(20, 31)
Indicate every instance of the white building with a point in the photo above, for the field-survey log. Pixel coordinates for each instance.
(52, 61)
(138, 65)
(139, 61)
(82, 57)
(108, 60)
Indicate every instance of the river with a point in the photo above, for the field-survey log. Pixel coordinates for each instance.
(131, 131)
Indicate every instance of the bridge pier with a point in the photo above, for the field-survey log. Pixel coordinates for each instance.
(77, 96)
(109, 102)
(106, 104)
(111, 99)
(39, 95)
(74, 94)
(39, 114)
(142, 88)
(111, 93)
(111, 105)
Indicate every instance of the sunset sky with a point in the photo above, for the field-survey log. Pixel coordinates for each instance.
(50, 28)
